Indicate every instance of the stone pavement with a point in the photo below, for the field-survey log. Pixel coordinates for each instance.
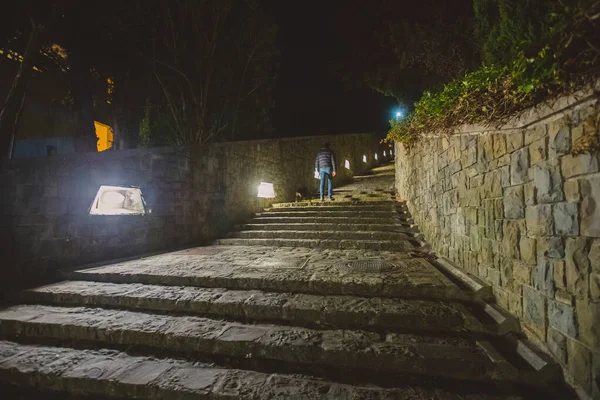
(310, 300)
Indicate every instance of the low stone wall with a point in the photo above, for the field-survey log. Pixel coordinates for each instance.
(227, 175)
(514, 207)
(195, 194)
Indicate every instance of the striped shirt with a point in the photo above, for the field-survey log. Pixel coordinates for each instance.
(325, 159)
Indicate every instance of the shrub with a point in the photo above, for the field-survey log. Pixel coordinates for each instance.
(566, 57)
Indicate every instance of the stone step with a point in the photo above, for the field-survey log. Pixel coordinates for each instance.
(398, 245)
(341, 202)
(320, 234)
(347, 214)
(336, 272)
(348, 312)
(278, 219)
(108, 373)
(327, 227)
(380, 192)
(375, 194)
(392, 353)
(347, 197)
(389, 207)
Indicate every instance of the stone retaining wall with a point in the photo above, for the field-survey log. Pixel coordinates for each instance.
(514, 207)
(195, 194)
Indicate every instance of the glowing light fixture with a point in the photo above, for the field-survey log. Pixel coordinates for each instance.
(399, 113)
(364, 158)
(347, 164)
(391, 153)
(118, 200)
(266, 190)
(384, 154)
(112, 199)
(376, 156)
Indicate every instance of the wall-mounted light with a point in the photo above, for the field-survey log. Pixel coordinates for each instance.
(347, 164)
(391, 153)
(266, 190)
(384, 154)
(375, 156)
(364, 158)
(118, 200)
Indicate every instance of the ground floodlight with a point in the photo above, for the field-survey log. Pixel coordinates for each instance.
(266, 190)
(118, 200)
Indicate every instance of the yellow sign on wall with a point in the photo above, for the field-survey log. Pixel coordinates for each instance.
(105, 136)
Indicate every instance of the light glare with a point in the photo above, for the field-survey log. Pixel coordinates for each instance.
(112, 200)
(266, 190)
(118, 200)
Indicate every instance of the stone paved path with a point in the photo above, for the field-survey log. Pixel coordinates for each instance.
(311, 300)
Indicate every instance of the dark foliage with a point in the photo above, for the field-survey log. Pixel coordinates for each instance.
(195, 70)
(564, 57)
(505, 27)
(402, 48)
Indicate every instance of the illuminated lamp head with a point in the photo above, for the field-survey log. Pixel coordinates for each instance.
(266, 190)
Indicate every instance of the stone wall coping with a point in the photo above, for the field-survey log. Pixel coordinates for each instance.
(116, 155)
(544, 112)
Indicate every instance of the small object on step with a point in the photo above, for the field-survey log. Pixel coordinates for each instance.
(302, 194)
(331, 198)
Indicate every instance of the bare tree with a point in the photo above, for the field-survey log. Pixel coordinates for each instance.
(13, 104)
(210, 58)
(41, 21)
(255, 50)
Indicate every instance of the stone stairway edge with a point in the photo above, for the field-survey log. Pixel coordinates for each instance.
(333, 311)
(398, 355)
(140, 377)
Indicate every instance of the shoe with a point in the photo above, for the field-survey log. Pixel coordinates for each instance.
(322, 199)
(331, 198)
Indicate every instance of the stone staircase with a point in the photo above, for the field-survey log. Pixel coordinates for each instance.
(337, 300)
(359, 220)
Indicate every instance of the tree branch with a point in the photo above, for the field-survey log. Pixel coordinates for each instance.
(187, 80)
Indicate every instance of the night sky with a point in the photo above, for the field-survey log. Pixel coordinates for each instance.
(310, 99)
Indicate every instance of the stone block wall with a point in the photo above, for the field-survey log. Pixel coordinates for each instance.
(516, 208)
(45, 209)
(227, 175)
(195, 193)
